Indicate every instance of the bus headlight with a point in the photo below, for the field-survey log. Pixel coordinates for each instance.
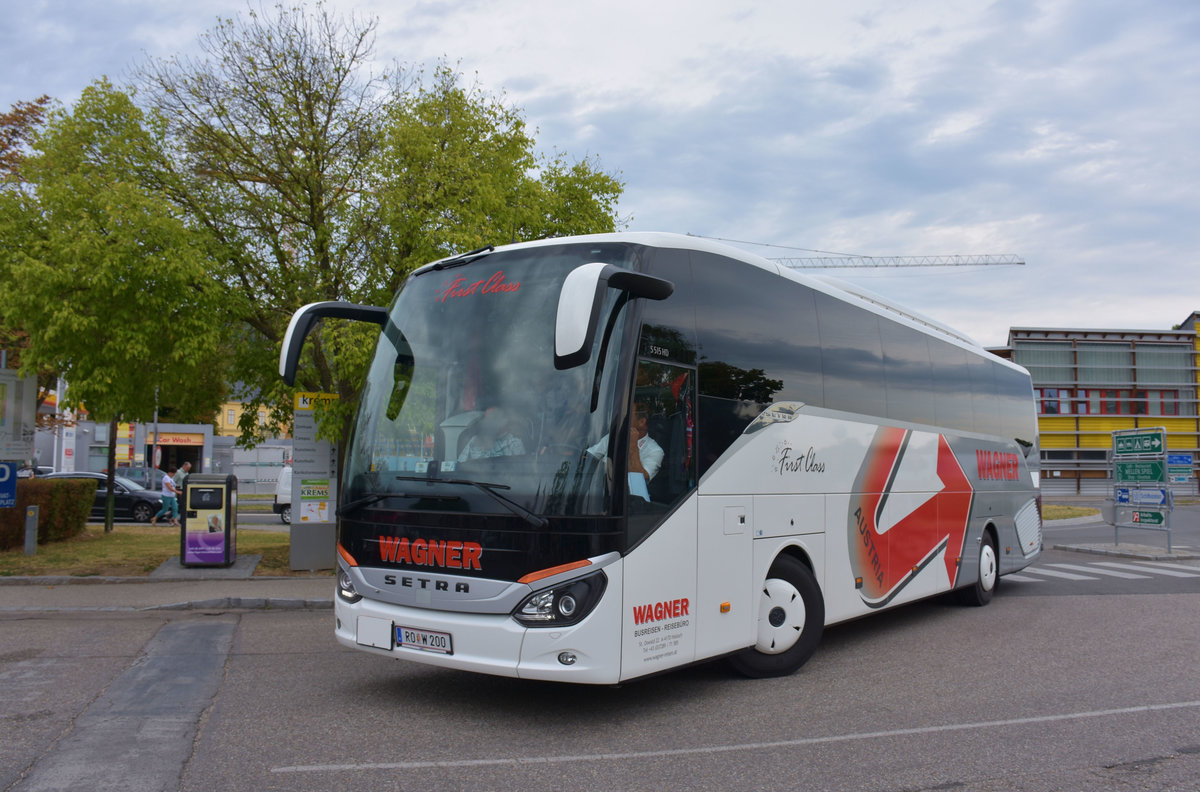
(562, 605)
(345, 586)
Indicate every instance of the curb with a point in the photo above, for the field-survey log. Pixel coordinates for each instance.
(1141, 552)
(246, 603)
(221, 604)
(1093, 518)
(66, 580)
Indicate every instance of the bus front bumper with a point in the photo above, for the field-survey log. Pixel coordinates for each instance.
(588, 652)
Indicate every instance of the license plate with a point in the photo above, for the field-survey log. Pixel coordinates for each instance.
(424, 640)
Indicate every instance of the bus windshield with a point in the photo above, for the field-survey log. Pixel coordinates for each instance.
(463, 409)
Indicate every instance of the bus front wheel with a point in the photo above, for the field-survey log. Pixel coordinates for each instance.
(791, 616)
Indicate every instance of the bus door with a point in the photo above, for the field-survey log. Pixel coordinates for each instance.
(660, 568)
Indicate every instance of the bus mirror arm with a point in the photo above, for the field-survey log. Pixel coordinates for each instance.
(306, 317)
(581, 299)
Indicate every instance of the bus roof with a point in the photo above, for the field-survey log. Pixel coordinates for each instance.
(851, 293)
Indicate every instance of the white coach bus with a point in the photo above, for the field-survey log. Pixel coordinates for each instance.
(590, 459)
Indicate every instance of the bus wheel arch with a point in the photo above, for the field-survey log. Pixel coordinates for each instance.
(791, 618)
(987, 571)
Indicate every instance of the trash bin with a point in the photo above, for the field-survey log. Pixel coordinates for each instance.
(208, 536)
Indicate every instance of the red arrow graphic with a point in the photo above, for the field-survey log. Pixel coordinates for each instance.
(887, 560)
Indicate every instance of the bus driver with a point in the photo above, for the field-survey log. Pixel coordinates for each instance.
(645, 455)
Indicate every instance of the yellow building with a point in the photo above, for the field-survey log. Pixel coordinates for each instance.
(1089, 383)
(231, 413)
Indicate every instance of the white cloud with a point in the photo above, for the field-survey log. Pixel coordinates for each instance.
(1060, 130)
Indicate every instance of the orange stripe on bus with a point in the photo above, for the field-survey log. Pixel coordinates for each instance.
(545, 573)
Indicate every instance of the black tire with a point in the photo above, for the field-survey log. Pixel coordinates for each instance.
(143, 512)
(987, 577)
(285, 514)
(791, 618)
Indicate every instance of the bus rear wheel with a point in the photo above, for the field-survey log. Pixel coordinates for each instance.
(791, 617)
(980, 593)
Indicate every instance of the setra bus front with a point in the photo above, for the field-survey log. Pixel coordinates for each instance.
(479, 527)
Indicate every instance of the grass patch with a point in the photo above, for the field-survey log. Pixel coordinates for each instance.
(1052, 511)
(136, 550)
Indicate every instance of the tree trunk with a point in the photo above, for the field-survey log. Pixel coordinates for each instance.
(110, 500)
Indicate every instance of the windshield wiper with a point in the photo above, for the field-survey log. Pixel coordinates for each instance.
(463, 258)
(366, 500)
(535, 520)
(375, 497)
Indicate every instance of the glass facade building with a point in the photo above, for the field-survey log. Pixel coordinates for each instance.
(1089, 383)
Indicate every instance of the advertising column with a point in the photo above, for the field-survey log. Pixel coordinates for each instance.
(18, 415)
(314, 488)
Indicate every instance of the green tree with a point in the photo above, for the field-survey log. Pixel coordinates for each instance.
(18, 127)
(110, 284)
(272, 129)
(323, 181)
(458, 169)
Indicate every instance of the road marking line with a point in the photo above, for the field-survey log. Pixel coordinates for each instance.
(1157, 571)
(718, 749)
(1041, 570)
(1171, 566)
(1093, 570)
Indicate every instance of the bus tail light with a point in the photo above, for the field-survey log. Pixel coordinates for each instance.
(562, 605)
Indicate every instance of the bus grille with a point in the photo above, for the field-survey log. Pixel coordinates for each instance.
(1029, 528)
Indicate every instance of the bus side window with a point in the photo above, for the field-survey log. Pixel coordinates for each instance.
(667, 393)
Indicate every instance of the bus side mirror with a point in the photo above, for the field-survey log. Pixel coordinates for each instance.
(303, 321)
(581, 299)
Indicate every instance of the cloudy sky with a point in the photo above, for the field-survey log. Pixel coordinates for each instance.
(1062, 131)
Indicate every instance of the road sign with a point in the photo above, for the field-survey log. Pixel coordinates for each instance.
(1148, 517)
(1150, 496)
(1145, 470)
(1179, 460)
(8, 485)
(1148, 442)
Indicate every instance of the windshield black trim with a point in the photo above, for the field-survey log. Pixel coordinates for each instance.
(489, 489)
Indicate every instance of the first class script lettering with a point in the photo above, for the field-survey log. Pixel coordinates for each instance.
(788, 461)
(493, 285)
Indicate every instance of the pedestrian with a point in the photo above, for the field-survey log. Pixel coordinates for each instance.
(181, 477)
(170, 499)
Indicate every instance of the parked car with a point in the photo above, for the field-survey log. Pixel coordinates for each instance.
(147, 478)
(132, 500)
(37, 470)
(283, 494)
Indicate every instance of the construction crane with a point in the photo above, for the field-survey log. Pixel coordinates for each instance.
(844, 261)
(852, 262)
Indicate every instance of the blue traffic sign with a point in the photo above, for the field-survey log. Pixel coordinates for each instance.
(1146, 496)
(8, 485)
(1179, 459)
